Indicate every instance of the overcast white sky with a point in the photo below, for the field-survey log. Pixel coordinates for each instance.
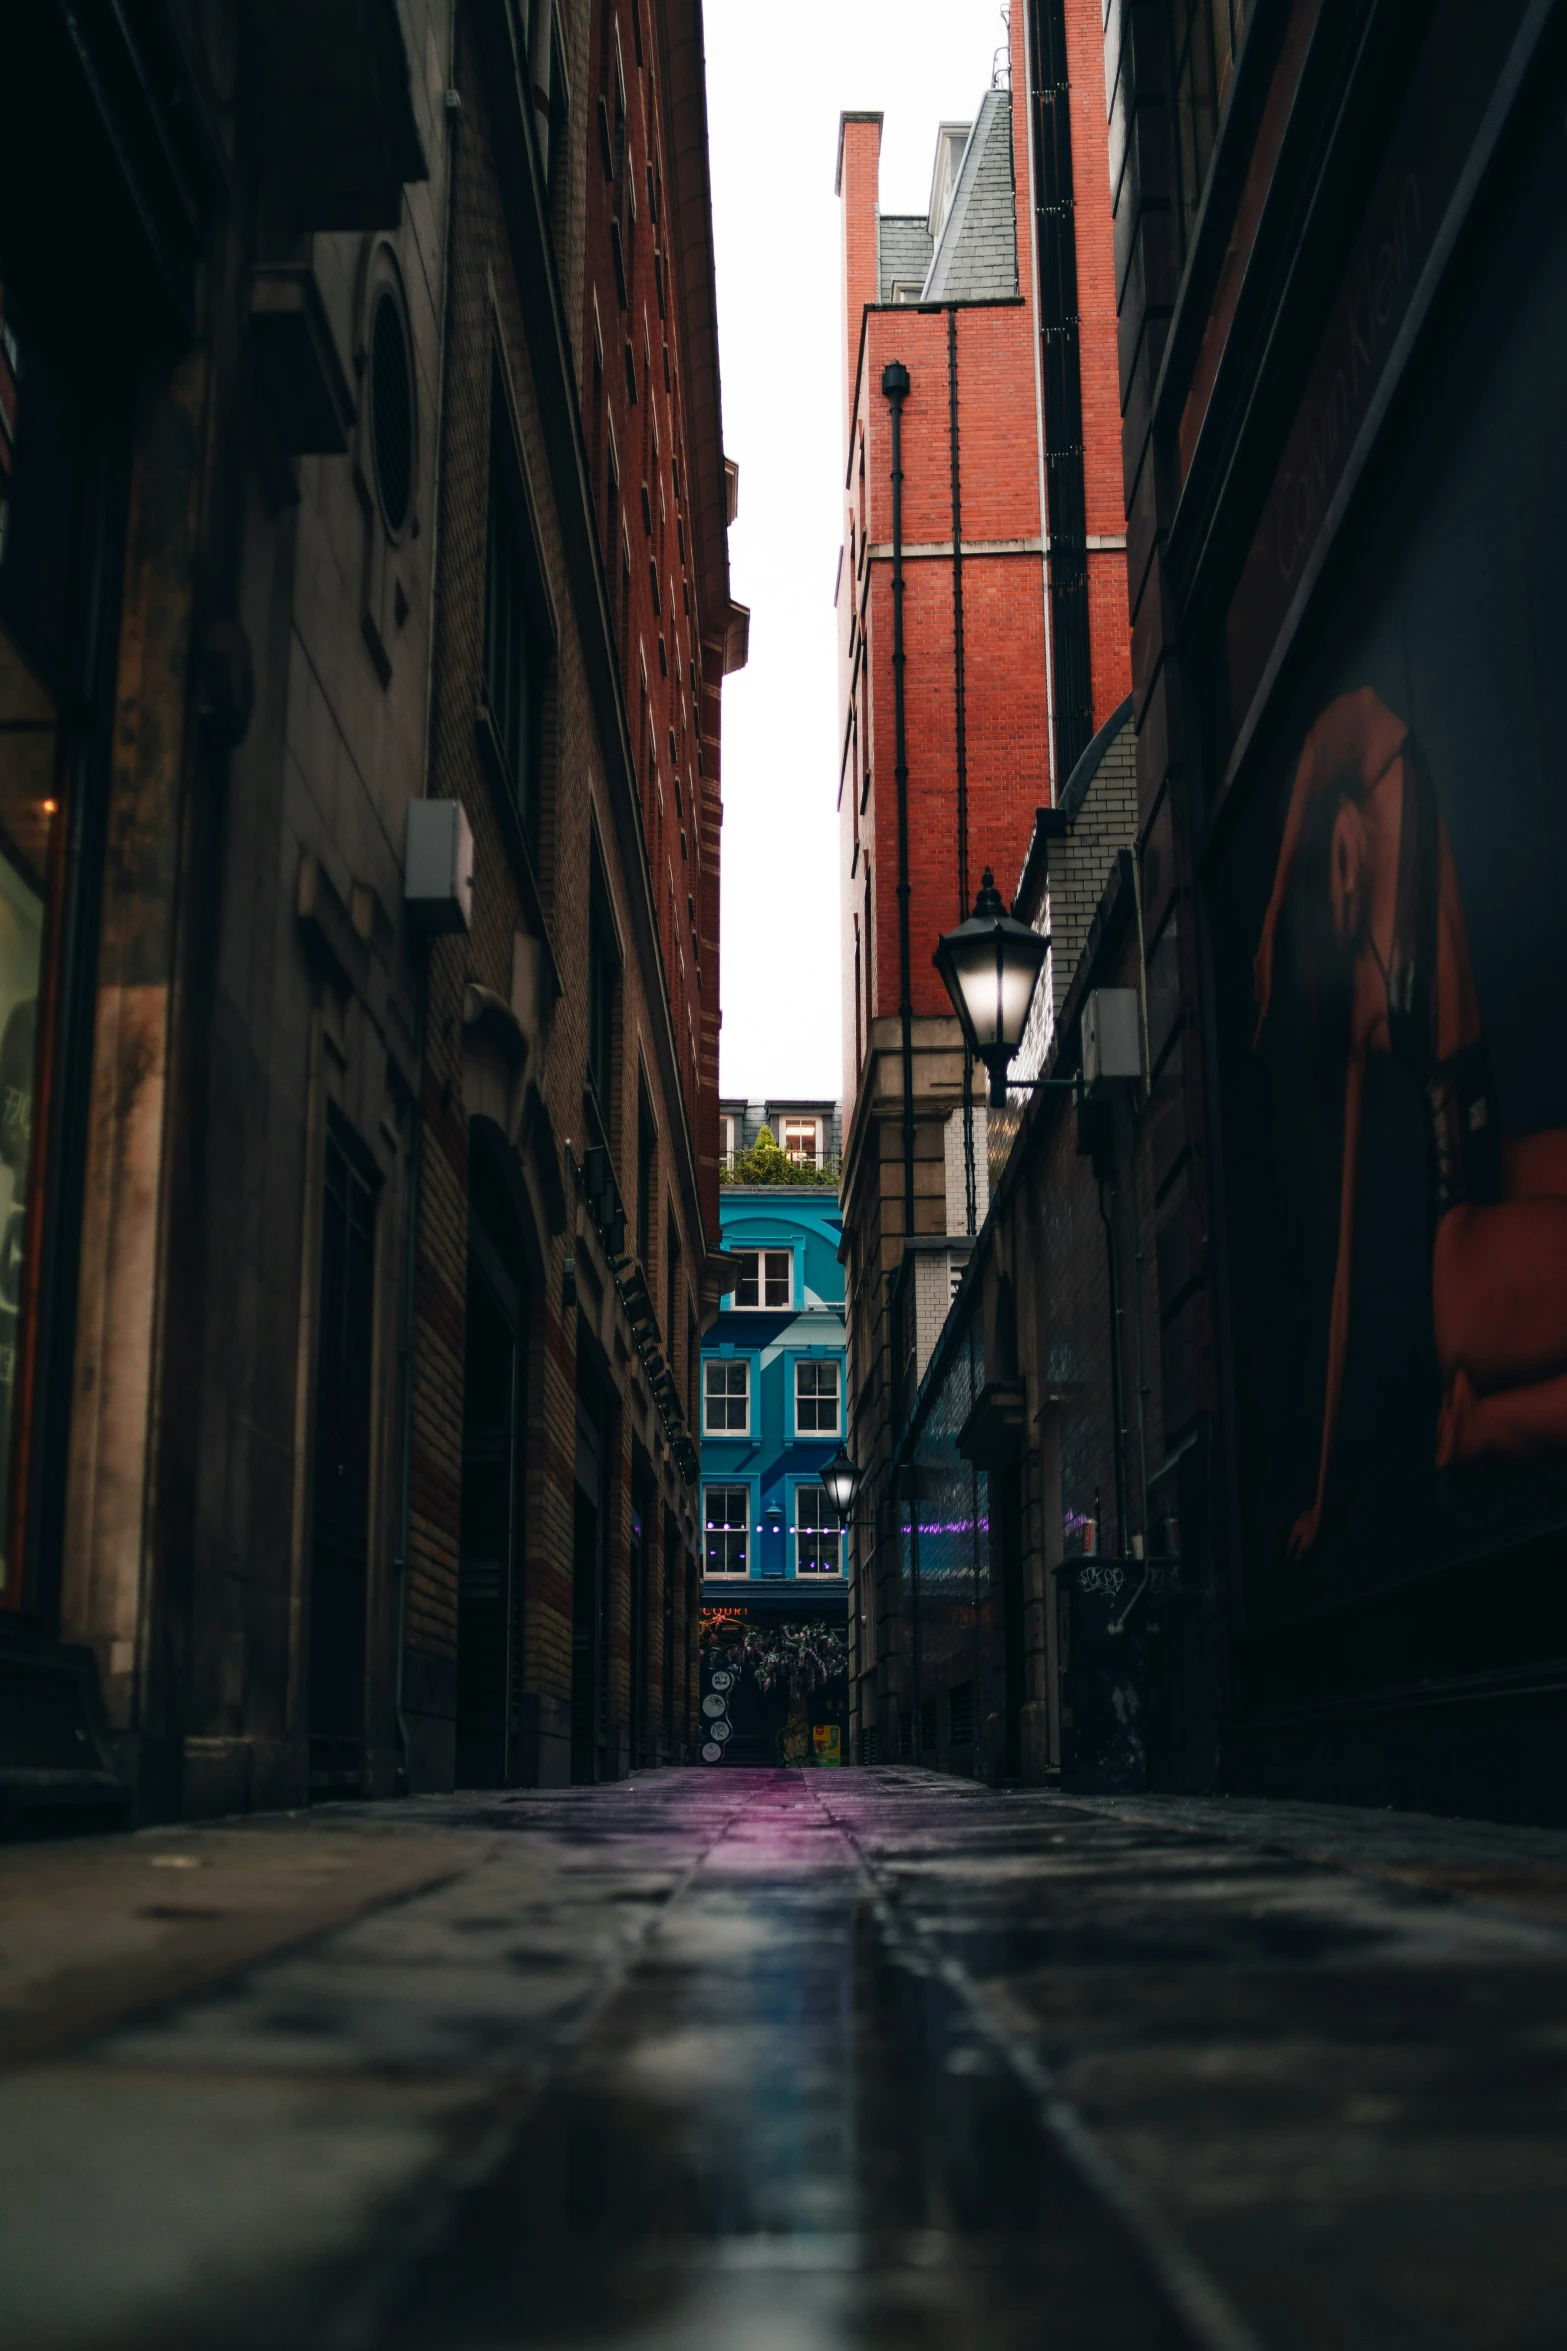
(776, 84)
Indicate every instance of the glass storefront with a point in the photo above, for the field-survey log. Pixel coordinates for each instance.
(40, 497)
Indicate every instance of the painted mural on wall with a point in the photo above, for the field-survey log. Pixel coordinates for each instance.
(775, 1691)
(1391, 986)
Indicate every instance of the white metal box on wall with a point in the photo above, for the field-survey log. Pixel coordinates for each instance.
(1112, 1036)
(438, 865)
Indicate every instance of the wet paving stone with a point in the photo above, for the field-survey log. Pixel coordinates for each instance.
(779, 2060)
(781, 2133)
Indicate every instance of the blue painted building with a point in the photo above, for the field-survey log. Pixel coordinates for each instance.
(773, 1408)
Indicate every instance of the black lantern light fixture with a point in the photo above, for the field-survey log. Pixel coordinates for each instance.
(841, 1479)
(990, 966)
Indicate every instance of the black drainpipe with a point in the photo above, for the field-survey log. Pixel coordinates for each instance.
(964, 909)
(971, 1217)
(1117, 1389)
(895, 384)
(1066, 508)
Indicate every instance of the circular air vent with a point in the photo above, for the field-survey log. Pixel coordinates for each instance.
(391, 414)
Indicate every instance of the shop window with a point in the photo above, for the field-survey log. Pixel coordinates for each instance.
(1207, 35)
(766, 1278)
(42, 493)
(726, 1402)
(818, 1538)
(815, 1399)
(726, 1512)
(28, 748)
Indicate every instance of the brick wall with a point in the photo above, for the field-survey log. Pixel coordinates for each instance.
(1080, 865)
(635, 823)
(670, 621)
(1006, 715)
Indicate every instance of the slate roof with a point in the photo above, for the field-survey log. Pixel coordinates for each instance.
(903, 247)
(976, 258)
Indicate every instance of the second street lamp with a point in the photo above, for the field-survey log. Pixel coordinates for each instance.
(991, 966)
(841, 1478)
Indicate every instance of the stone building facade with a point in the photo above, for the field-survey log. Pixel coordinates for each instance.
(983, 639)
(327, 572)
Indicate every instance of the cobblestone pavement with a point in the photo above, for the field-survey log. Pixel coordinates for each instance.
(777, 2060)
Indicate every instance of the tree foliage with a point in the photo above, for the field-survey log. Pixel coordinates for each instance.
(767, 1163)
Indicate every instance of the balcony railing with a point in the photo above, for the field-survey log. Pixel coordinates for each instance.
(775, 1167)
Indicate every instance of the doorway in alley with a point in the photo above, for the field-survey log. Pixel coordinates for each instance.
(489, 1574)
(1006, 1532)
(644, 1522)
(502, 1281)
(591, 1757)
(340, 1531)
(671, 1560)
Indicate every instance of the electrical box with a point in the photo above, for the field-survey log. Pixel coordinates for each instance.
(438, 866)
(1112, 1036)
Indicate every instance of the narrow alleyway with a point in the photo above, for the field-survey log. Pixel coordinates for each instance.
(781, 2060)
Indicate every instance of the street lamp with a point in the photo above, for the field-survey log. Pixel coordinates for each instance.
(841, 1477)
(991, 966)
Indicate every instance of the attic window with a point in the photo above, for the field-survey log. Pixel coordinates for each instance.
(907, 289)
(801, 1140)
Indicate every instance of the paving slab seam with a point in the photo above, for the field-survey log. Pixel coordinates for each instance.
(1194, 2297)
(361, 2317)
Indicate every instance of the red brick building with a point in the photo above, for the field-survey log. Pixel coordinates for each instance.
(982, 494)
(569, 1204)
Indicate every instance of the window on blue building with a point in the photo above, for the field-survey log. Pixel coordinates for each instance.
(727, 1399)
(726, 1512)
(816, 1399)
(818, 1539)
(765, 1277)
